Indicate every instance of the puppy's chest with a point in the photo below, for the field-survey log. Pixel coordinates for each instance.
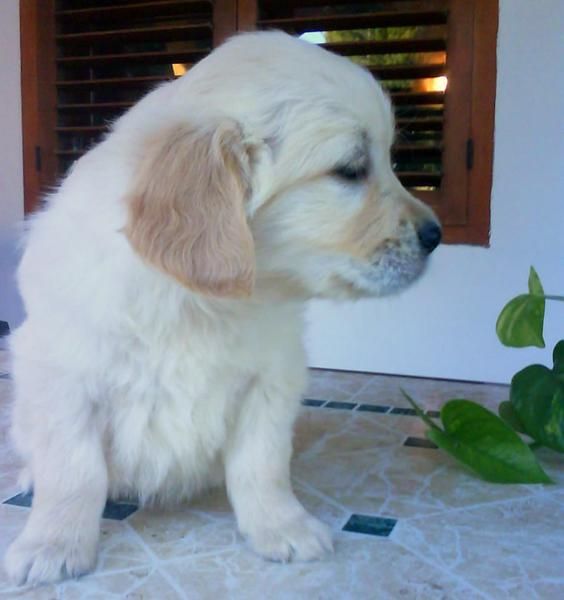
(175, 405)
(184, 365)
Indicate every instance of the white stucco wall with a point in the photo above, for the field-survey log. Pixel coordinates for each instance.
(11, 168)
(445, 325)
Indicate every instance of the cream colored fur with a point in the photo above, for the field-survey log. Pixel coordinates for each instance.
(164, 286)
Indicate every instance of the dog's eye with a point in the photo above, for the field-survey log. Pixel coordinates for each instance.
(351, 173)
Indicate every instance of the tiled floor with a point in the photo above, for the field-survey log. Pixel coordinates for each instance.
(432, 531)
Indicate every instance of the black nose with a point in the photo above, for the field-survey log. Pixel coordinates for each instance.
(429, 236)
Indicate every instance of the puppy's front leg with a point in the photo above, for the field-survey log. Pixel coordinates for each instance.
(257, 465)
(69, 475)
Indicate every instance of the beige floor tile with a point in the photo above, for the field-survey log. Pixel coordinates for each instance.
(363, 465)
(359, 569)
(404, 483)
(144, 583)
(5, 392)
(184, 531)
(428, 393)
(557, 492)
(335, 385)
(553, 464)
(4, 361)
(516, 541)
(456, 537)
(48, 592)
(320, 430)
(120, 548)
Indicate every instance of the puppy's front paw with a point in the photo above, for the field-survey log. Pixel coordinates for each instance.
(35, 559)
(302, 538)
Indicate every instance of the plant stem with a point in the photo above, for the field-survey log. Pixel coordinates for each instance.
(420, 412)
(560, 298)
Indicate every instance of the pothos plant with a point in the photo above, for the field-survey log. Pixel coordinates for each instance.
(500, 448)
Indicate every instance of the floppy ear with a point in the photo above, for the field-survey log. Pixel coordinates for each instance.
(186, 210)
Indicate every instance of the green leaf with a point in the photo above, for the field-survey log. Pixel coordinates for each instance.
(508, 414)
(558, 358)
(535, 285)
(520, 323)
(537, 395)
(482, 441)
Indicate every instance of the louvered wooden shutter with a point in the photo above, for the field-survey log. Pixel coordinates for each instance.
(86, 61)
(110, 52)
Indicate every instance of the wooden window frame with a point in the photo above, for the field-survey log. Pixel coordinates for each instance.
(466, 219)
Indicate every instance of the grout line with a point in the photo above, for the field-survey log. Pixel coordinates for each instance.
(156, 562)
(146, 547)
(328, 499)
(360, 389)
(172, 582)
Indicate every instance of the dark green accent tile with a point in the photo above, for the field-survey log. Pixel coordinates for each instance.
(416, 442)
(369, 525)
(118, 511)
(341, 405)
(398, 410)
(377, 408)
(20, 500)
(313, 402)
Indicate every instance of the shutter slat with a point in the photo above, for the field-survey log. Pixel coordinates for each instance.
(419, 179)
(82, 129)
(378, 47)
(409, 71)
(108, 56)
(340, 22)
(100, 106)
(420, 124)
(134, 82)
(70, 153)
(402, 151)
(171, 33)
(157, 57)
(416, 98)
(131, 11)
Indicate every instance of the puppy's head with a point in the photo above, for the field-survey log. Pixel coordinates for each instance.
(282, 184)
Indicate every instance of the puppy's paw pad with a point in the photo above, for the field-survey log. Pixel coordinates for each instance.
(36, 561)
(303, 539)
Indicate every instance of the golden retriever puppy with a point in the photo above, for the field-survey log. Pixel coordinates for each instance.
(165, 282)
